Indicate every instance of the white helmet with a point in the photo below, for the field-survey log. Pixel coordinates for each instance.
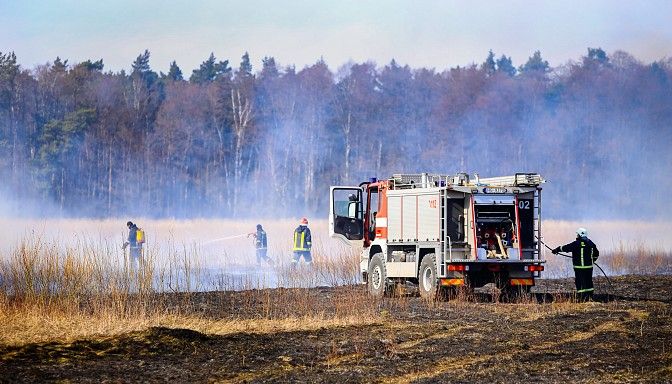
(582, 232)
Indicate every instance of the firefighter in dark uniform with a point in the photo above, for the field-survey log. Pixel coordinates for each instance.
(302, 243)
(261, 244)
(584, 254)
(135, 247)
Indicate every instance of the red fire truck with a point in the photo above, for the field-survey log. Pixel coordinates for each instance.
(440, 231)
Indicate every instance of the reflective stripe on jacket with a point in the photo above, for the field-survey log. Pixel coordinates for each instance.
(584, 252)
(302, 239)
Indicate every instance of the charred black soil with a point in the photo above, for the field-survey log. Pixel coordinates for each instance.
(625, 336)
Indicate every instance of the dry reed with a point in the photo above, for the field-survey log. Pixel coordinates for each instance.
(64, 290)
(49, 291)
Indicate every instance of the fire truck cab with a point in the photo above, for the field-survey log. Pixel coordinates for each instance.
(440, 231)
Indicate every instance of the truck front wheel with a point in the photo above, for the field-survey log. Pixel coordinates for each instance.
(377, 276)
(427, 278)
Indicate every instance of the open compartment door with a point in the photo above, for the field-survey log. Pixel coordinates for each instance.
(346, 213)
(496, 226)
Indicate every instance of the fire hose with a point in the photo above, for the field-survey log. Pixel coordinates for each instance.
(226, 238)
(570, 256)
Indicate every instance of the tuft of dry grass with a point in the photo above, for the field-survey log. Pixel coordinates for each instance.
(30, 325)
(637, 258)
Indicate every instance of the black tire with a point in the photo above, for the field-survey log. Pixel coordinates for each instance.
(376, 278)
(428, 283)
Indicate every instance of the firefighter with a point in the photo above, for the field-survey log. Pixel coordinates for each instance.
(302, 243)
(584, 254)
(260, 244)
(135, 245)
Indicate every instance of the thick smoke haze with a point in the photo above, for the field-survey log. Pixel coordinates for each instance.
(77, 141)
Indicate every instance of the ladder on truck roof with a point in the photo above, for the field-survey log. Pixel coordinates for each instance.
(419, 180)
(517, 180)
(429, 180)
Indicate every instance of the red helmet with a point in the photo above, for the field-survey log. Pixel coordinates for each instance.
(304, 221)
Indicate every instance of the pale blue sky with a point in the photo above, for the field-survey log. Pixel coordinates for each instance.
(434, 34)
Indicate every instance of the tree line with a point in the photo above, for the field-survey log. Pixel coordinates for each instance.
(235, 142)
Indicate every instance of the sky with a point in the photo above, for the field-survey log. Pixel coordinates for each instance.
(430, 34)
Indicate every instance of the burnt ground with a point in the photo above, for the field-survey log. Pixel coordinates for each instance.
(622, 337)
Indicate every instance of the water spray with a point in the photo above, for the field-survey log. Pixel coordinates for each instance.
(225, 238)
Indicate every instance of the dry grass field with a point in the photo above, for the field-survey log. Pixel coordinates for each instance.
(200, 309)
(340, 335)
(627, 246)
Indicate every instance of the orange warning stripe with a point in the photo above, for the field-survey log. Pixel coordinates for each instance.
(522, 281)
(445, 282)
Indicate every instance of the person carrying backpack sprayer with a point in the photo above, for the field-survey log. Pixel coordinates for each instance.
(136, 239)
(302, 243)
(584, 254)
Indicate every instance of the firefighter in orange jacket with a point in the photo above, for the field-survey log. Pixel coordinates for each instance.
(302, 243)
(584, 254)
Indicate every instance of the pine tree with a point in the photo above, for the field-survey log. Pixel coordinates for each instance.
(489, 65)
(269, 69)
(9, 69)
(92, 66)
(141, 63)
(210, 70)
(245, 69)
(596, 58)
(505, 65)
(222, 69)
(174, 73)
(535, 64)
(598, 55)
(59, 65)
(142, 70)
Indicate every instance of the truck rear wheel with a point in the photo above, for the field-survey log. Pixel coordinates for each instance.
(377, 276)
(427, 278)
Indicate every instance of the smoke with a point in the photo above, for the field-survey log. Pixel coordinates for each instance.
(27, 206)
(130, 146)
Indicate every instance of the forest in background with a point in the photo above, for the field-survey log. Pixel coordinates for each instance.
(77, 140)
